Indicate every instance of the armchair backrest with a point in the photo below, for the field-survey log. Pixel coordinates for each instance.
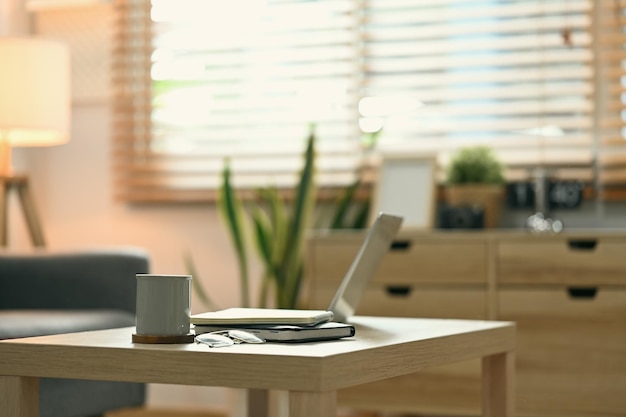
(73, 280)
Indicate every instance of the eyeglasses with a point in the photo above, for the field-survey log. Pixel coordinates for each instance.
(223, 338)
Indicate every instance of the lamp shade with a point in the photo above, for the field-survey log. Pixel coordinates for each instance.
(34, 92)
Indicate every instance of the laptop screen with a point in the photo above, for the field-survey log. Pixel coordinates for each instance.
(375, 246)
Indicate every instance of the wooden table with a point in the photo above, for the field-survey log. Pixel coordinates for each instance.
(311, 372)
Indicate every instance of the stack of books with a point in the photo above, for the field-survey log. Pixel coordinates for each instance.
(275, 325)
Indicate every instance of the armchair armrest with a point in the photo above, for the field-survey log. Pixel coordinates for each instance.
(101, 279)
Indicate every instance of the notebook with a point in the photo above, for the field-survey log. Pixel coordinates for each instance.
(245, 315)
(374, 247)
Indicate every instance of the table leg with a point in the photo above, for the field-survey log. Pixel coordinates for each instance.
(258, 403)
(19, 396)
(312, 404)
(30, 214)
(499, 385)
(4, 211)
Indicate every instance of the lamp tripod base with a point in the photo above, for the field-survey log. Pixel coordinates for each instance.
(19, 183)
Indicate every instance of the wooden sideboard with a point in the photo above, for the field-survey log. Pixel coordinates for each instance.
(567, 293)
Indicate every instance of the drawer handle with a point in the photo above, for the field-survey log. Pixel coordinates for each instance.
(400, 245)
(398, 290)
(583, 293)
(583, 244)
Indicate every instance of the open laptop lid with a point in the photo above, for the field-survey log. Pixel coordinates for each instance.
(375, 246)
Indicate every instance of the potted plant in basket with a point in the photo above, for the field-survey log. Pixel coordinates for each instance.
(475, 177)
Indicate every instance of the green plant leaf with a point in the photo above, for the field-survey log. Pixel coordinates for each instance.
(203, 296)
(302, 209)
(264, 238)
(291, 293)
(266, 282)
(362, 216)
(263, 234)
(231, 209)
(279, 218)
(339, 219)
(477, 164)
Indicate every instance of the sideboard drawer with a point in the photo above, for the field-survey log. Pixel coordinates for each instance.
(571, 350)
(562, 260)
(449, 302)
(409, 261)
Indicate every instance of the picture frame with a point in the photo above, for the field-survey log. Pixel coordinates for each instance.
(406, 186)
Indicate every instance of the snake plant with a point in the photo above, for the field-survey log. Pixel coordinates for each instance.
(278, 229)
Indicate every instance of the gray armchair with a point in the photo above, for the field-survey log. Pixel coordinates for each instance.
(50, 293)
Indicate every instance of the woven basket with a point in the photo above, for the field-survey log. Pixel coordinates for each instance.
(489, 197)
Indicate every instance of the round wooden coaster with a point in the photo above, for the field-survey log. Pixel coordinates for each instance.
(142, 338)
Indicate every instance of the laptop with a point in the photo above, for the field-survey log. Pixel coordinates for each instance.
(345, 301)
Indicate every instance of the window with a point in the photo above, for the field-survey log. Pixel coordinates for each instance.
(198, 81)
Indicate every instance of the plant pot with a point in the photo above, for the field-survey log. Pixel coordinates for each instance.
(489, 197)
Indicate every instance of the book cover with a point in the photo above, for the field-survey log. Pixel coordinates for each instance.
(289, 333)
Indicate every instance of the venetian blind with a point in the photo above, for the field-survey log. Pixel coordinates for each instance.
(204, 80)
(243, 80)
(514, 75)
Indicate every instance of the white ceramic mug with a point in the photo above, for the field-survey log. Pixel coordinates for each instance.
(163, 304)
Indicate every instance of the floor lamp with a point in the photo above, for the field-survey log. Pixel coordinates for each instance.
(34, 111)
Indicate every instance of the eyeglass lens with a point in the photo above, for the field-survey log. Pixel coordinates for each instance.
(224, 338)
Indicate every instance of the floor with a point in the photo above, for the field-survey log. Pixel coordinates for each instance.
(142, 412)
